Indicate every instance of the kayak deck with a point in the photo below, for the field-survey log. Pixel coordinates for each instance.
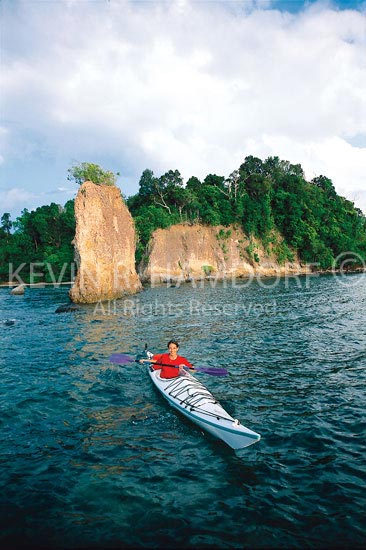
(196, 402)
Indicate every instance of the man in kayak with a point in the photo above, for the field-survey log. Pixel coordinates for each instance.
(171, 364)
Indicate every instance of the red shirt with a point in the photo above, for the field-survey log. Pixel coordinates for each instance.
(169, 372)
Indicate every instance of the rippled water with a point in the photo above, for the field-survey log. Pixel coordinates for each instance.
(91, 455)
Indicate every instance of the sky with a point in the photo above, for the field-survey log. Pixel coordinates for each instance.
(191, 85)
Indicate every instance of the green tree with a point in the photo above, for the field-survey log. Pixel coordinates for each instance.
(325, 184)
(276, 168)
(235, 186)
(6, 223)
(257, 217)
(251, 166)
(87, 171)
(215, 181)
(194, 185)
(166, 188)
(147, 184)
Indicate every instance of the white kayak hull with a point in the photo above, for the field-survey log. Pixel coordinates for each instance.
(193, 400)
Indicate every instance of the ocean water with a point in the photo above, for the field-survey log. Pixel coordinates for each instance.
(92, 456)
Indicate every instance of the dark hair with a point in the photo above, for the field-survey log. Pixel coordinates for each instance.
(173, 342)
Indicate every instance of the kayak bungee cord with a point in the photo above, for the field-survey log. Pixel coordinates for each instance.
(195, 400)
(203, 394)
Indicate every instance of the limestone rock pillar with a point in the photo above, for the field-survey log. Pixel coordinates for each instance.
(104, 243)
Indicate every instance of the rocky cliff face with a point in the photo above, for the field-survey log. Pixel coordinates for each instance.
(104, 245)
(184, 252)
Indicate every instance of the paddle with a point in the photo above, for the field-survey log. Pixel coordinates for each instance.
(123, 359)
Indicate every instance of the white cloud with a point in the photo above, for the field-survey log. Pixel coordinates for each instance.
(195, 86)
(15, 198)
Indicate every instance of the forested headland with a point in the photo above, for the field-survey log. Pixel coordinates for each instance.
(260, 197)
(38, 242)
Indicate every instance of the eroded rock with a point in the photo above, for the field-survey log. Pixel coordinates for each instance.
(104, 245)
(18, 290)
(183, 253)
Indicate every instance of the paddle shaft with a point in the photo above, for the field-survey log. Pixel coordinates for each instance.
(164, 364)
(123, 359)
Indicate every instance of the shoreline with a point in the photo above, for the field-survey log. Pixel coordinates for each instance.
(175, 280)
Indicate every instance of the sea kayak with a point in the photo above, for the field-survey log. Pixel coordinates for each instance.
(193, 400)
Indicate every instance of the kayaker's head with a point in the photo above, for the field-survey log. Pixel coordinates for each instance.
(173, 348)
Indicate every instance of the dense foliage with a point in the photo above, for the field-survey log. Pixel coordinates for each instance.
(87, 171)
(39, 248)
(260, 196)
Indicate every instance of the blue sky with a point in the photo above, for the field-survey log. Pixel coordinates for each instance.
(188, 85)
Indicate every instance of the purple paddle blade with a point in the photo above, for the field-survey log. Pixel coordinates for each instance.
(121, 359)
